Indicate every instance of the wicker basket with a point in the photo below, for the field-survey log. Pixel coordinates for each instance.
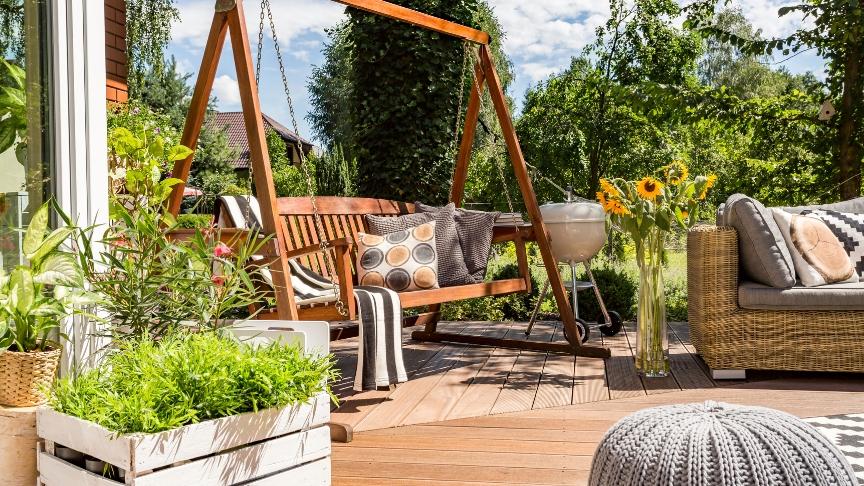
(25, 376)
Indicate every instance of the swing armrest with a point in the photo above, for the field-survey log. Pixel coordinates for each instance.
(340, 245)
(503, 234)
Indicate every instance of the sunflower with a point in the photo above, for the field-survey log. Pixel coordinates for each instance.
(709, 183)
(609, 188)
(649, 188)
(676, 172)
(601, 198)
(616, 207)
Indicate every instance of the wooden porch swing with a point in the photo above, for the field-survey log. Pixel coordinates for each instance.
(321, 230)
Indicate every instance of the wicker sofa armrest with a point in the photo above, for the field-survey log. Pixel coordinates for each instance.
(712, 278)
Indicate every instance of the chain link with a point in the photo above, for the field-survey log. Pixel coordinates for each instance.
(324, 243)
(495, 140)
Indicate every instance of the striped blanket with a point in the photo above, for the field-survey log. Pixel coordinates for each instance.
(379, 353)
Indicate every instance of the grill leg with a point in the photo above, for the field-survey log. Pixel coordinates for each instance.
(537, 308)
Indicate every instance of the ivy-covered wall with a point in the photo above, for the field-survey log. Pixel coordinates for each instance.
(406, 84)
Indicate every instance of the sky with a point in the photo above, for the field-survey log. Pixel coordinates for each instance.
(541, 37)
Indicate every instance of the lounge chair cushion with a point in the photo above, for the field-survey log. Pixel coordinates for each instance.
(833, 297)
(850, 206)
(764, 257)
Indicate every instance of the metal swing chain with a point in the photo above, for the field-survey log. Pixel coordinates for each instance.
(324, 243)
(495, 140)
(459, 117)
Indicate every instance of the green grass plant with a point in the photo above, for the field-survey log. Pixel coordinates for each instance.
(151, 386)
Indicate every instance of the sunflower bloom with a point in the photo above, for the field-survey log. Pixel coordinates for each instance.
(712, 179)
(649, 188)
(601, 198)
(609, 188)
(616, 207)
(676, 172)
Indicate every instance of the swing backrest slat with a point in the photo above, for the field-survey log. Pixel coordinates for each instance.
(341, 217)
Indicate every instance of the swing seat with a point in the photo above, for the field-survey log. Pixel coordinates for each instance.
(343, 218)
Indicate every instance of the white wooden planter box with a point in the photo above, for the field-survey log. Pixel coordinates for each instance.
(284, 446)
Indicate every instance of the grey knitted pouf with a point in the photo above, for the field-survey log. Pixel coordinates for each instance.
(708, 444)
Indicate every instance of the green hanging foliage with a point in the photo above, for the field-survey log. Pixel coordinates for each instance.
(405, 90)
(11, 33)
(148, 32)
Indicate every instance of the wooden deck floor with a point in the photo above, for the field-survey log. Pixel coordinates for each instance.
(459, 381)
(472, 416)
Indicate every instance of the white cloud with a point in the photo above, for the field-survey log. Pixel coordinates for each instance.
(227, 91)
(763, 15)
(293, 18)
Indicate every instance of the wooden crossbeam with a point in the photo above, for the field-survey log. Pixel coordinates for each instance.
(420, 19)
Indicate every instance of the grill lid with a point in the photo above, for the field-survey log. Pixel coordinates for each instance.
(573, 212)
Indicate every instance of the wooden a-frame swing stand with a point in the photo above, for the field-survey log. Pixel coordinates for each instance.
(229, 17)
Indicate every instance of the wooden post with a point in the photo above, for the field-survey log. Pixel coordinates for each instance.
(521, 170)
(460, 171)
(232, 20)
(198, 105)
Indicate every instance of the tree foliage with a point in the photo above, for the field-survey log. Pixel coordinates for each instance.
(148, 31)
(835, 31)
(583, 123)
(388, 95)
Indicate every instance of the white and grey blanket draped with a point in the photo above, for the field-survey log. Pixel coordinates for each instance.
(379, 351)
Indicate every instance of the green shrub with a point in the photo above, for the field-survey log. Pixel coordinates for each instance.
(193, 221)
(618, 289)
(513, 307)
(676, 300)
(150, 386)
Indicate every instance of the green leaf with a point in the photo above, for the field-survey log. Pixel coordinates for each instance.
(22, 294)
(156, 148)
(36, 231)
(179, 152)
(55, 239)
(8, 135)
(59, 269)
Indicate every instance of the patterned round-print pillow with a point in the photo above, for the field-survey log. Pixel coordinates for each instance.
(402, 261)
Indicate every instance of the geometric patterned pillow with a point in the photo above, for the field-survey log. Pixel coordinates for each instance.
(402, 261)
(849, 229)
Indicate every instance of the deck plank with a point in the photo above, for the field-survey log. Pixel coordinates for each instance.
(407, 396)
(522, 382)
(448, 391)
(621, 376)
(557, 378)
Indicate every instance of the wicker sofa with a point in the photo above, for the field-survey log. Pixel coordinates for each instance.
(733, 336)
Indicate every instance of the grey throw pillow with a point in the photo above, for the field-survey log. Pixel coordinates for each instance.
(451, 264)
(475, 229)
(765, 258)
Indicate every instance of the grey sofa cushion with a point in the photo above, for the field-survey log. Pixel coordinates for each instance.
(851, 206)
(833, 297)
(764, 257)
(475, 230)
(451, 264)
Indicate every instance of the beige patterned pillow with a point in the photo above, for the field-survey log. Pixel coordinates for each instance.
(402, 261)
(818, 255)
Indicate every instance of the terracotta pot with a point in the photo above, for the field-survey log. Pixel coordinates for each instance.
(25, 376)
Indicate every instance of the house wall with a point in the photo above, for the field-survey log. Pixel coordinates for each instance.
(116, 88)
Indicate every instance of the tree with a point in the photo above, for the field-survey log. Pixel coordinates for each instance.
(167, 90)
(399, 131)
(583, 123)
(148, 31)
(836, 33)
(11, 33)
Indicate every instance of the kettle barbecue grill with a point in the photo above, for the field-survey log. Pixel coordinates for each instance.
(577, 232)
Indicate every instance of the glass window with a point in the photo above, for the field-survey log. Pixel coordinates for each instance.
(26, 156)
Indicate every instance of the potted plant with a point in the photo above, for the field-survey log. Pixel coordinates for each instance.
(193, 407)
(647, 210)
(34, 299)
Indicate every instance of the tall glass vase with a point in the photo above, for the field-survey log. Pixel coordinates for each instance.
(652, 340)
